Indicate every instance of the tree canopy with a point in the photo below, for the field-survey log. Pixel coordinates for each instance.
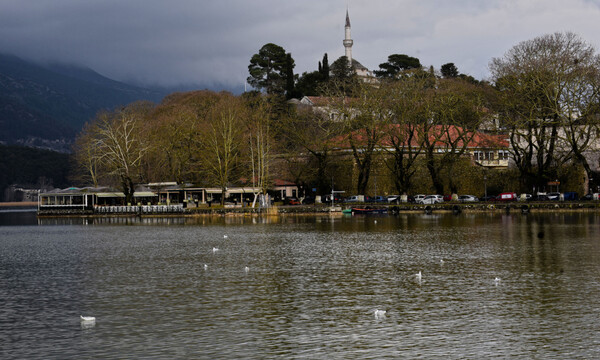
(549, 91)
(397, 63)
(269, 69)
(449, 70)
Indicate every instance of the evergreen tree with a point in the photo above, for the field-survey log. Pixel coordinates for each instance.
(396, 64)
(325, 68)
(268, 69)
(289, 76)
(449, 70)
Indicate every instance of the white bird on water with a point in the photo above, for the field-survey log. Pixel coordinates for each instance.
(215, 250)
(246, 269)
(418, 276)
(224, 236)
(205, 267)
(497, 280)
(379, 314)
(87, 319)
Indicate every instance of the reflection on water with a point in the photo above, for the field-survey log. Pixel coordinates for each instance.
(25, 216)
(310, 290)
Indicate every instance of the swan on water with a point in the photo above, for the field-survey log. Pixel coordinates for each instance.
(87, 318)
(497, 280)
(379, 313)
(215, 250)
(224, 236)
(205, 267)
(418, 276)
(246, 269)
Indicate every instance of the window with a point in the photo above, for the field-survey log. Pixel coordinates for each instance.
(503, 154)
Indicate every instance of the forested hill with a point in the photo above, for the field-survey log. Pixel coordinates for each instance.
(46, 106)
(32, 168)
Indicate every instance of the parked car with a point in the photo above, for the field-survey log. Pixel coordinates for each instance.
(397, 199)
(571, 196)
(506, 197)
(588, 197)
(336, 198)
(488, 198)
(353, 198)
(378, 199)
(393, 198)
(525, 197)
(432, 199)
(448, 197)
(468, 198)
(554, 196)
(308, 200)
(291, 201)
(540, 197)
(418, 198)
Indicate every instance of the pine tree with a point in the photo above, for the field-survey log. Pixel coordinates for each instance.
(325, 68)
(289, 76)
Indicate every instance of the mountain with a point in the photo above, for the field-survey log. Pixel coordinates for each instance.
(46, 105)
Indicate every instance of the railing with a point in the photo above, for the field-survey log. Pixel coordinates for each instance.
(493, 163)
(143, 209)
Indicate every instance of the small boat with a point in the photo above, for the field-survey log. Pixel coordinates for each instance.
(368, 210)
(347, 211)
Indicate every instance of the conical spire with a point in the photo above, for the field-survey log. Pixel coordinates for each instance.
(348, 40)
(347, 19)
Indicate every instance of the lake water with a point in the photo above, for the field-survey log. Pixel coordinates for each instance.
(310, 290)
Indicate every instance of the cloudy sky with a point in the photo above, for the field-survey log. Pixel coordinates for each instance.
(210, 42)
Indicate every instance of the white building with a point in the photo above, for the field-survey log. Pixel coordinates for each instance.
(361, 71)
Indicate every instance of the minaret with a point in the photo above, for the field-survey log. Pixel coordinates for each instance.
(347, 41)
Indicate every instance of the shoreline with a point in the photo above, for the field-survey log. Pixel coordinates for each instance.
(18, 204)
(316, 210)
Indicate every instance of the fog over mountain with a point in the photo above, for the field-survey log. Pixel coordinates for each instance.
(69, 58)
(46, 106)
(169, 43)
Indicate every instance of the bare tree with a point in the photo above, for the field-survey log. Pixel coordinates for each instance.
(121, 145)
(549, 89)
(401, 141)
(455, 109)
(258, 144)
(363, 118)
(86, 156)
(222, 140)
(309, 133)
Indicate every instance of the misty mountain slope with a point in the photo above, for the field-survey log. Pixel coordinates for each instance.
(47, 106)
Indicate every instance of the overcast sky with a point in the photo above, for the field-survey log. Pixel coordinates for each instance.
(206, 42)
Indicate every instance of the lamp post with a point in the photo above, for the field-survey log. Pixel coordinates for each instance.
(485, 185)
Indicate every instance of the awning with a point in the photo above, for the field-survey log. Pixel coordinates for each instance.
(110, 195)
(236, 190)
(144, 194)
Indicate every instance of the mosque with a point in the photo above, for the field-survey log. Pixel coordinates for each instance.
(361, 71)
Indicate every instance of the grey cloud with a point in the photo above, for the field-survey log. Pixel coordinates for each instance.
(211, 42)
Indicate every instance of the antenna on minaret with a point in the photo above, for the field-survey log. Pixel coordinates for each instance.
(347, 40)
